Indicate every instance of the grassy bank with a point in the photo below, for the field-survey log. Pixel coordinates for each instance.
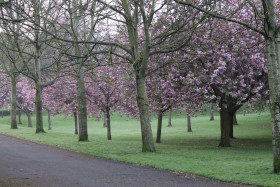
(249, 160)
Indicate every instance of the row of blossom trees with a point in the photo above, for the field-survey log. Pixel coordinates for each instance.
(188, 78)
(139, 57)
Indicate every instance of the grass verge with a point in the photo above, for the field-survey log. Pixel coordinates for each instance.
(248, 161)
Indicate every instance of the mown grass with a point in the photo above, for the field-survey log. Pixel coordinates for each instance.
(248, 161)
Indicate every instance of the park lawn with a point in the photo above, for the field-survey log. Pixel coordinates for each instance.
(248, 161)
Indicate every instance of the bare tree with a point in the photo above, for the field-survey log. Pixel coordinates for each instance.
(76, 30)
(39, 62)
(10, 62)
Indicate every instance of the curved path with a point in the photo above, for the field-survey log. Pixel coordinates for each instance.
(24, 163)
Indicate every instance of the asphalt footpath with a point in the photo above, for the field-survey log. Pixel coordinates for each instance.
(25, 163)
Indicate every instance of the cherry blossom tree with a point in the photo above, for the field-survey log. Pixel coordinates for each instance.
(228, 69)
(260, 16)
(26, 97)
(61, 97)
(105, 91)
(164, 90)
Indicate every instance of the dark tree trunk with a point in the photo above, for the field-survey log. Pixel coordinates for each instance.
(189, 123)
(109, 137)
(38, 107)
(158, 140)
(231, 126)
(19, 117)
(169, 118)
(13, 110)
(225, 125)
(211, 112)
(76, 122)
(49, 120)
(2, 114)
(82, 106)
(235, 119)
(145, 120)
(105, 121)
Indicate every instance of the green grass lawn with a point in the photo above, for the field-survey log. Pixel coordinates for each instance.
(248, 161)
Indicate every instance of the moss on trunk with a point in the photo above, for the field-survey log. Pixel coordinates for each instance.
(145, 121)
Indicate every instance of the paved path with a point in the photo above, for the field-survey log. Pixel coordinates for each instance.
(24, 163)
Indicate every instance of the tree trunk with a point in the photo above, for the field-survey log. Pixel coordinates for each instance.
(273, 56)
(169, 118)
(76, 122)
(211, 112)
(235, 119)
(158, 140)
(105, 123)
(145, 121)
(38, 107)
(82, 106)
(28, 114)
(189, 123)
(108, 124)
(49, 120)
(231, 126)
(19, 117)
(272, 41)
(13, 110)
(2, 114)
(225, 124)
